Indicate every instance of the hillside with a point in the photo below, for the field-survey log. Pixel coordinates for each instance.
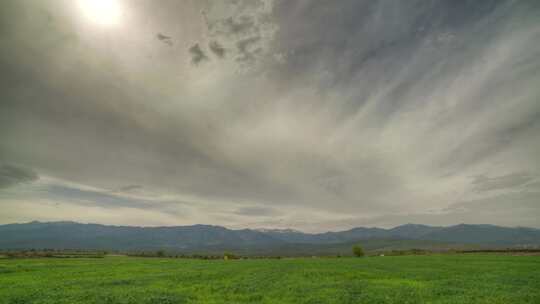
(215, 239)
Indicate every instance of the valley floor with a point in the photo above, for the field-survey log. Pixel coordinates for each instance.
(471, 278)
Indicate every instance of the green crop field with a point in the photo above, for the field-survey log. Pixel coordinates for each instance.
(400, 279)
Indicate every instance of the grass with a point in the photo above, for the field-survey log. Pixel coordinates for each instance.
(400, 279)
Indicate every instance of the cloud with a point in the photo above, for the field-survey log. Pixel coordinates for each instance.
(60, 193)
(91, 197)
(197, 54)
(165, 39)
(245, 29)
(12, 175)
(129, 188)
(483, 183)
(217, 49)
(256, 211)
(236, 26)
(247, 48)
(331, 113)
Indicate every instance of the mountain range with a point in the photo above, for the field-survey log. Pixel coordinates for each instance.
(216, 239)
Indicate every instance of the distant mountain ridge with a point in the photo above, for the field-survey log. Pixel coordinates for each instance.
(208, 238)
(462, 233)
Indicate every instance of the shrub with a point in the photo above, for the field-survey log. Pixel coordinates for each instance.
(229, 256)
(358, 251)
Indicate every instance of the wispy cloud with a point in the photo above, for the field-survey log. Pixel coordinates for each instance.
(310, 115)
(11, 175)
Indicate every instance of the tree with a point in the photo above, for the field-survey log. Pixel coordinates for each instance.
(358, 251)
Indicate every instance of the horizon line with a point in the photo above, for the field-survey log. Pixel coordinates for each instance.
(262, 228)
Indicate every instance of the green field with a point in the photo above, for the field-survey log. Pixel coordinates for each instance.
(399, 279)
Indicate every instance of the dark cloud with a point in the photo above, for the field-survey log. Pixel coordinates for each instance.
(535, 185)
(256, 211)
(236, 26)
(130, 188)
(244, 29)
(217, 49)
(248, 49)
(197, 54)
(11, 175)
(91, 197)
(108, 200)
(165, 39)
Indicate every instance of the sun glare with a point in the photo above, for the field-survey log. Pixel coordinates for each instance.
(102, 12)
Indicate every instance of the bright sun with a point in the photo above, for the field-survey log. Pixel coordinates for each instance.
(102, 12)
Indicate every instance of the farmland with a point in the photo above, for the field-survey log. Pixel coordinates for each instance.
(465, 278)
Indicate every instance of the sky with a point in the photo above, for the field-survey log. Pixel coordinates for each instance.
(311, 115)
